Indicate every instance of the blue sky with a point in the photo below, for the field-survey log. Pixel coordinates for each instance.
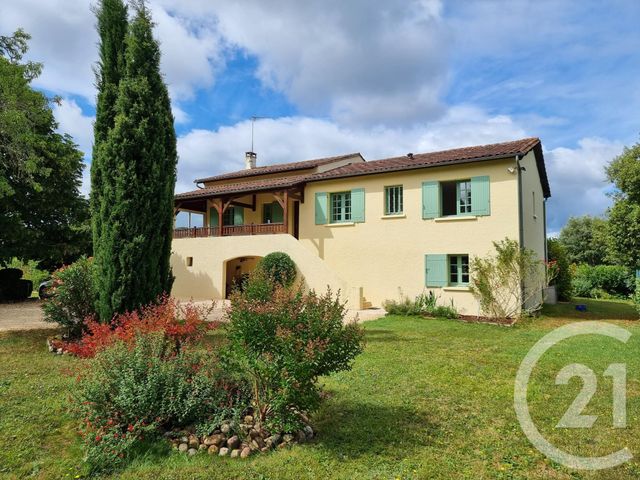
(382, 78)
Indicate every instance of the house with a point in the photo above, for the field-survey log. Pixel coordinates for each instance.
(371, 229)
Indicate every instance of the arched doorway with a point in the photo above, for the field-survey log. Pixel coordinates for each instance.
(236, 270)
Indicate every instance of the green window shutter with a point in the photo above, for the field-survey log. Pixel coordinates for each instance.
(430, 199)
(357, 205)
(213, 218)
(435, 270)
(238, 216)
(277, 214)
(321, 208)
(480, 198)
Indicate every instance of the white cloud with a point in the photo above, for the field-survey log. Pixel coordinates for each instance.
(577, 178)
(71, 120)
(205, 152)
(358, 63)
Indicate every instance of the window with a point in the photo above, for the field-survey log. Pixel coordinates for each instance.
(458, 270)
(393, 200)
(272, 213)
(340, 207)
(189, 261)
(456, 198)
(228, 217)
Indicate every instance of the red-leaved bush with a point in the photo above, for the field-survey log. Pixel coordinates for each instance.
(180, 323)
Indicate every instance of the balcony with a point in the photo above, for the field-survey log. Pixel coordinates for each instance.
(231, 230)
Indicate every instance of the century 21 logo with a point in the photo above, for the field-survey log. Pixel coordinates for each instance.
(573, 417)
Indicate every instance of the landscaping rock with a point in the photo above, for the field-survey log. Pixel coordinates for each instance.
(193, 441)
(235, 453)
(213, 449)
(225, 428)
(191, 452)
(215, 439)
(308, 432)
(233, 442)
(183, 447)
(184, 439)
(223, 451)
(202, 447)
(287, 438)
(246, 451)
(301, 437)
(248, 419)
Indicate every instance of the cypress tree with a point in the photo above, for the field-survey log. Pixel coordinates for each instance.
(112, 28)
(135, 245)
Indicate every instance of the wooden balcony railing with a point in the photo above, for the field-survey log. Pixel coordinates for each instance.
(252, 229)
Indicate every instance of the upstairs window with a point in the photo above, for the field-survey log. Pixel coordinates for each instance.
(340, 207)
(456, 198)
(272, 213)
(458, 270)
(393, 200)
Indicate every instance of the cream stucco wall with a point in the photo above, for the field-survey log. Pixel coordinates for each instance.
(377, 259)
(205, 279)
(387, 255)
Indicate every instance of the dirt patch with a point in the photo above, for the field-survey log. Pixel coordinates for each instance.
(25, 315)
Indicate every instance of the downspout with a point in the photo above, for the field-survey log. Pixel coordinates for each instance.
(544, 226)
(520, 224)
(520, 205)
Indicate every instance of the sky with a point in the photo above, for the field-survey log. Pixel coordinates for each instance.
(378, 77)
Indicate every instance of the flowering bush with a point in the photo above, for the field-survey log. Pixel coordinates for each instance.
(72, 303)
(132, 391)
(181, 324)
(284, 339)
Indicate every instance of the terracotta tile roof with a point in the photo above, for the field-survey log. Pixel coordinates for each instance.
(282, 167)
(250, 186)
(442, 158)
(417, 161)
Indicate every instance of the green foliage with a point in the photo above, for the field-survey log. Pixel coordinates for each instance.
(112, 29)
(603, 281)
(585, 240)
(280, 267)
(509, 284)
(624, 215)
(284, 341)
(423, 304)
(557, 253)
(129, 392)
(136, 179)
(74, 296)
(624, 233)
(42, 214)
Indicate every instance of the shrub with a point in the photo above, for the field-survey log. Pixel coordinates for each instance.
(280, 267)
(284, 339)
(498, 281)
(73, 300)
(603, 280)
(424, 304)
(180, 324)
(132, 391)
(557, 253)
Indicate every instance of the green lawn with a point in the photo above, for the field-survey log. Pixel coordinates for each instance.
(427, 399)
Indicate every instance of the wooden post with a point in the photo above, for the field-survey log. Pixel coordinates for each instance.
(285, 209)
(218, 206)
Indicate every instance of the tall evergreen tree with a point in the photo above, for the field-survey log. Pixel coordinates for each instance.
(135, 245)
(112, 29)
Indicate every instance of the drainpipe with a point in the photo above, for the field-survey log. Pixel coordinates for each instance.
(544, 225)
(520, 224)
(520, 205)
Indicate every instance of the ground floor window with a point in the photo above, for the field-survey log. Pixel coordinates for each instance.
(458, 270)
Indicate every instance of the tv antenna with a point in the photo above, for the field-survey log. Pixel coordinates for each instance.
(253, 121)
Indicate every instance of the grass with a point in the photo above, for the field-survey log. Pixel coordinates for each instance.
(427, 399)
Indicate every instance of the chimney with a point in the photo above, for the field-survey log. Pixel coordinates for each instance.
(250, 160)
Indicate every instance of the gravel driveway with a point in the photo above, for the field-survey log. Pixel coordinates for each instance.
(25, 315)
